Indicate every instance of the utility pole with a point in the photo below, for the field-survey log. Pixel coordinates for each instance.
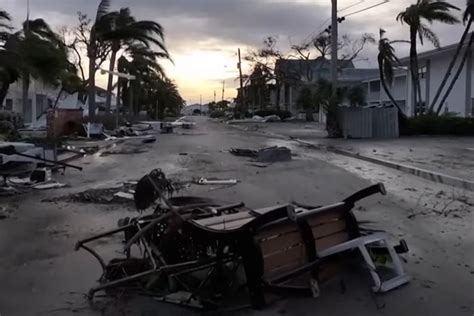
(200, 104)
(334, 39)
(223, 90)
(239, 65)
(215, 94)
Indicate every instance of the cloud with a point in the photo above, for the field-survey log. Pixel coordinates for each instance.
(205, 34)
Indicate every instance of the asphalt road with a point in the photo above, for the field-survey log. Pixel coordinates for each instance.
(41, 274)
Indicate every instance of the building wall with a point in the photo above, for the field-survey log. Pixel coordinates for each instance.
(456, 101)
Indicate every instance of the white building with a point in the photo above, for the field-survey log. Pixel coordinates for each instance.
(433, 66)
(41, 97)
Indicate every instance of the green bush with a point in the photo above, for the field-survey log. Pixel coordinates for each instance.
(15, 118)
(281, 113)
(438, 125)
(217, 114)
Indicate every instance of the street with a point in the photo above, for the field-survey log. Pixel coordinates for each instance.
(41, 274)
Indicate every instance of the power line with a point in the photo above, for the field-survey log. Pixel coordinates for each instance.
(368, 8)
(351, 6)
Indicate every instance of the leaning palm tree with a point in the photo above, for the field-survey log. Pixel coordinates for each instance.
(41, 55)
(387, 60)
(468, 20)
(144, 66)
(93, 50)
(414, 16)
(125, 30)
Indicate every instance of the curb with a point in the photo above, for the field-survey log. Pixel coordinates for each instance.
(422, 173)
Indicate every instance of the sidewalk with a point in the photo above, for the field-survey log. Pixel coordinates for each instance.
(435, 158)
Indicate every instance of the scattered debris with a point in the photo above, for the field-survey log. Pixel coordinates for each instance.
(124, 195)
(204, 181)
(258, 165)
(183, 154)
(4, 212)
(47, 186)
(166, 128)
(270, 154)
(274, 154)
(93, 130)
(98, 196)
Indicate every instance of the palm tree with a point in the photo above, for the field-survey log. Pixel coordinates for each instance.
(469, 19)
(144, 66)
(92, 51)
(41, 55)
(415, 16)
(124, 30)
(387, 60)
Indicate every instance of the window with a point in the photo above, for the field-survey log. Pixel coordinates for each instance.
(422, 72)
(375, 86)
(9, 104)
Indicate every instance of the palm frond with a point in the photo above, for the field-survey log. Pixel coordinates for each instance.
(469, 13)
(426, 32)
(102, 9)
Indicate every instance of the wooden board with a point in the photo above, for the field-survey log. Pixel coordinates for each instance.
(328, 229)
(224, 219)
(318, 219)
(280, 243)
(231, 225)
(332, 240)
(277, 229)
(286, 260)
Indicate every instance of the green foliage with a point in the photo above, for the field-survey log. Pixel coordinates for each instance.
(217, 114)
(356, 95)
(438, 125)
(305, 100)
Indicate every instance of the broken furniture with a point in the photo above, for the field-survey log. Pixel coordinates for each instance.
(202, 253)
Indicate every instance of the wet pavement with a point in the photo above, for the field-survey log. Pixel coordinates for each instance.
(40, 274)
(453, 156)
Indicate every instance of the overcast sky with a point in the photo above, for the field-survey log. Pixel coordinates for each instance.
(203, 35)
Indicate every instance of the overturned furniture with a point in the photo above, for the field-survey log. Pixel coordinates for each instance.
(200, 253)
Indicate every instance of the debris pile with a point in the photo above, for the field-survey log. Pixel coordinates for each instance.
(270, 154)
(120, 194)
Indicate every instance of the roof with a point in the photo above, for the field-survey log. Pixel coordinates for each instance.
(295, 68)
(357, 74)
(397, 72)
(436, 51)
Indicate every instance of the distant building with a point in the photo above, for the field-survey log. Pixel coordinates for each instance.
(195, 109)
(433, 65)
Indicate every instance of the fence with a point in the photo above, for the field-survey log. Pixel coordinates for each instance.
(369, 122)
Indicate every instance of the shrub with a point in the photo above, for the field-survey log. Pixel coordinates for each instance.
(8, 131)
(438, 125)
(281, 113)
(15, 118)
(217, 114)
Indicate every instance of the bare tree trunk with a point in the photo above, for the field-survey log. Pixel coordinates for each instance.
(57, 98)
(3, 91)
(91, 53)
(24, 93)
(110, 81)
(414, 69)
(458, 73)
